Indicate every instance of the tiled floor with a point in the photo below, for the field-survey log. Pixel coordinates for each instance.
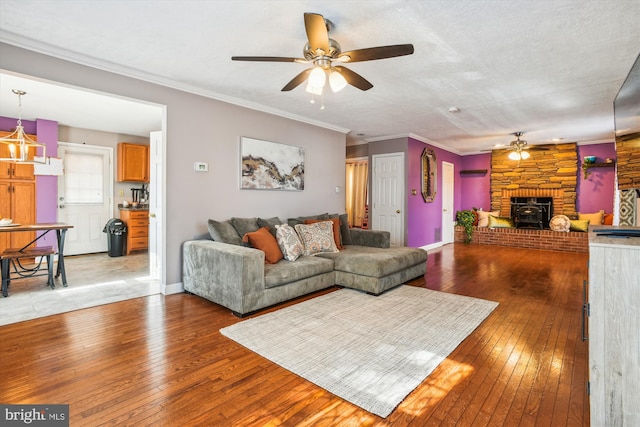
(93, 279)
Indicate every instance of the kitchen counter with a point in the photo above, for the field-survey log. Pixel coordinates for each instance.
(132, 208)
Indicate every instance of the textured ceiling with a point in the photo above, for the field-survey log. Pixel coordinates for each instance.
(550, 68)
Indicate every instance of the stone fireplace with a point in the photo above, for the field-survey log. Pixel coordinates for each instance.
(552, 172)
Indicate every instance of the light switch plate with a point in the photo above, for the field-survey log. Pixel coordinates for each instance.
(200, 167)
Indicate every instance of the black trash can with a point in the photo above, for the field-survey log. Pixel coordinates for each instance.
(116, 231)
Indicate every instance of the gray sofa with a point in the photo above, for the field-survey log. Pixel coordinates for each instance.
(238, 278)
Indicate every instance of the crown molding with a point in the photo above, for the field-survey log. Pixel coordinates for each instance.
(49, 50)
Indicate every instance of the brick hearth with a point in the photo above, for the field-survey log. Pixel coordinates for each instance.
(573, 241)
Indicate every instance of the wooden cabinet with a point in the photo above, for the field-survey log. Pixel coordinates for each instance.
(137, 229)
(17, 201)
(133, 162)
(614, 325)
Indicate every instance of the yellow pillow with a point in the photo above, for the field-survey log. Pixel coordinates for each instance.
(579, 225)
(500, 222)
(594, 218)
(483, 217)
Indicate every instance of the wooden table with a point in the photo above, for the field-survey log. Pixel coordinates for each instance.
(60, 229)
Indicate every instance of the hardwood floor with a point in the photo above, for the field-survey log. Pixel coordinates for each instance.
(161, 361)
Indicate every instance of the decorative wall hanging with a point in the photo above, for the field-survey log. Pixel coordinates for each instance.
(271, 166)
(429, 175)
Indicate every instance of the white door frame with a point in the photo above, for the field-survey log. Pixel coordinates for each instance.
(157, 257)
(448, 193)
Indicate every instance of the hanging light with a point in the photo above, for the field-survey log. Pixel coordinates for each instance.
(21, 148)
(336, 80)
(525, 155)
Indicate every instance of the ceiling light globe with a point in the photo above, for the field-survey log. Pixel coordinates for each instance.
(314, 90)
(336, 81)
(514, 155)
(317, 77)
(525, 155)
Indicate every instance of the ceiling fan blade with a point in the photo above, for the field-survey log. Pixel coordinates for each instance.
(295, 82)
(266, 59)
(380, 52)
(354, 79)
(317, 32)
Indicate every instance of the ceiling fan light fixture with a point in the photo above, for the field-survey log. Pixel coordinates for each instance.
(524, 155)
(514, 155)
(314, 90)
(336, 81)
(317, 77)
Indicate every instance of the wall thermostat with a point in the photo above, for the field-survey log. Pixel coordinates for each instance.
(201, 167)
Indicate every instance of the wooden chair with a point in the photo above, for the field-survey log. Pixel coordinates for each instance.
(12, 257)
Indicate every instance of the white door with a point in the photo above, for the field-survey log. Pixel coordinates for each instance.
(156, 261)
(387, 211)
(447, 203)
(85, 196)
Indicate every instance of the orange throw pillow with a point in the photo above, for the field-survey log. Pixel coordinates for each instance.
(337, 236)
(608, 219)
(263, 239)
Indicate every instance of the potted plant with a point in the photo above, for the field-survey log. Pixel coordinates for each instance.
(466, 218)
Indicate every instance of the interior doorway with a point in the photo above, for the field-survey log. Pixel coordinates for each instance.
(448, 228)
(85, 195)
(388, 196)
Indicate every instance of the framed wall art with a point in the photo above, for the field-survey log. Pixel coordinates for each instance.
(269, 165)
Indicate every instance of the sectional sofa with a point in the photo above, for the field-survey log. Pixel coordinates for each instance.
(231, 273)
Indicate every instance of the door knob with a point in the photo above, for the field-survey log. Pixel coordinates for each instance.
(152, 215)
(61, 206)
(398, 211)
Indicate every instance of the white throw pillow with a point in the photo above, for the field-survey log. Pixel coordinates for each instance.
(317, 237)
(289, 243)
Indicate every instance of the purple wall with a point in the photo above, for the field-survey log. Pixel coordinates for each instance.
(46, 186)
(476, 188)
(424, 220)
(598, 190)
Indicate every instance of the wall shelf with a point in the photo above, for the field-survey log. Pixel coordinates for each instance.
(599, 165)
(473, 171)
(587, 166)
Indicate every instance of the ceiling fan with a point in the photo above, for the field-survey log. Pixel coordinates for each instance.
(519, 147)
(323, 52)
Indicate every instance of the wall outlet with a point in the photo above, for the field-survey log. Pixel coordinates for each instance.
(121, 193)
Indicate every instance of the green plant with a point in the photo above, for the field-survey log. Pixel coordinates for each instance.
(466, 219)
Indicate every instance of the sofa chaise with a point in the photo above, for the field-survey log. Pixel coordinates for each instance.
(226, 272)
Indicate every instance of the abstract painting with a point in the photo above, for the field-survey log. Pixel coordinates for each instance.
(270, 165)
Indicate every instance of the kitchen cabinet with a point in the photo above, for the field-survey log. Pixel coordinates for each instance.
(10, 170)
(18, 202)
(133, 162)
(137, 229)
(614, 322)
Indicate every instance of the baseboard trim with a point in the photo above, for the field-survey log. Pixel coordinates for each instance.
(173, 288)
(435, 245)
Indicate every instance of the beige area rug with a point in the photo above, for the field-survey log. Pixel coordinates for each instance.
(371, 351)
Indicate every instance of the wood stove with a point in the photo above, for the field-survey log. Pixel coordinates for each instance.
(532, 211)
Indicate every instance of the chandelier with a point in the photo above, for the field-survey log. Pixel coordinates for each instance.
(18, 147)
